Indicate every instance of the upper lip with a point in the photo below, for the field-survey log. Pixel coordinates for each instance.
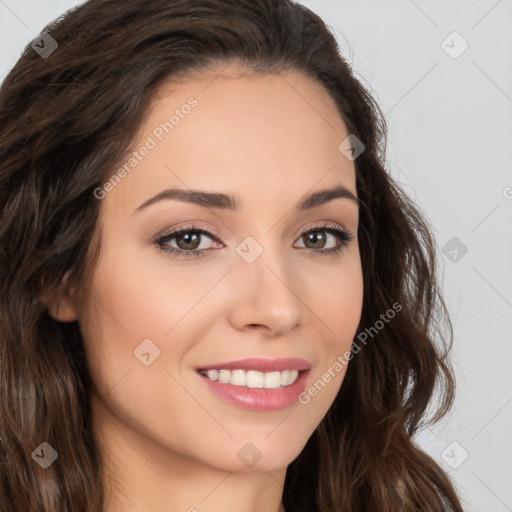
(261, 365)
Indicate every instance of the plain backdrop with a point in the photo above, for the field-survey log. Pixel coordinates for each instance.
(442, 75)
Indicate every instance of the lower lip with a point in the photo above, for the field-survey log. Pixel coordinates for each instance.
(260, 399)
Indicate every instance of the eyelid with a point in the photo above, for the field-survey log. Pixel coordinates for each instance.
(343, 235)
(189, 227)
(323, 225)
(211, 232)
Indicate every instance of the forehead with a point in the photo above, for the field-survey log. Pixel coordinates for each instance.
(249, 134)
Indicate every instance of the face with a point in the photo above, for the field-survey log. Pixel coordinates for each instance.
(268, 280)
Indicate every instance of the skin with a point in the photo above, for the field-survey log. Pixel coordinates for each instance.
(168, 442)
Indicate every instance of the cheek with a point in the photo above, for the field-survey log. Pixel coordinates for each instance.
(135, 298)
(336, 300)
(143, 297)
(130, 306)
(338, 307)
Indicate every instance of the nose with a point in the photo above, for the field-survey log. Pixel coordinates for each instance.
(266, 295)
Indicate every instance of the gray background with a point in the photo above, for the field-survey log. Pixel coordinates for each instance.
(449, 114)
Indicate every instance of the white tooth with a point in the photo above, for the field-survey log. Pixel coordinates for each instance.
(224, 376)
(293, 376)
(272, 380)
(254, 379)
(213, 374)
(238, 378)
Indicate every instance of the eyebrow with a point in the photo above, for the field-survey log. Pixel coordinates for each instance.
(222, 201)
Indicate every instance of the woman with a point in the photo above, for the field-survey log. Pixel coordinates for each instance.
(284, 360)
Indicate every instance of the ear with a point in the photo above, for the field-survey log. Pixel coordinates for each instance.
(62, 306)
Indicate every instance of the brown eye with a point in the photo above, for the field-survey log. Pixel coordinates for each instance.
(188, 239)
(185, 240)
(315, 239)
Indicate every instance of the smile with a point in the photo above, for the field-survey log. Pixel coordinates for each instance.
(257, 384)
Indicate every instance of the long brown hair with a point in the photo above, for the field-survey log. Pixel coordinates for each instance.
(66, 122)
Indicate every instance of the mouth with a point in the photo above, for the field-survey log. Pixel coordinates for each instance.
(257, 384)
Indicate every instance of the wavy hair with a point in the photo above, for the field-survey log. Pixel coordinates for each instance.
(67, 120)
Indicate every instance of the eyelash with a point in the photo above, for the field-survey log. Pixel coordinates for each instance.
(343, 236)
